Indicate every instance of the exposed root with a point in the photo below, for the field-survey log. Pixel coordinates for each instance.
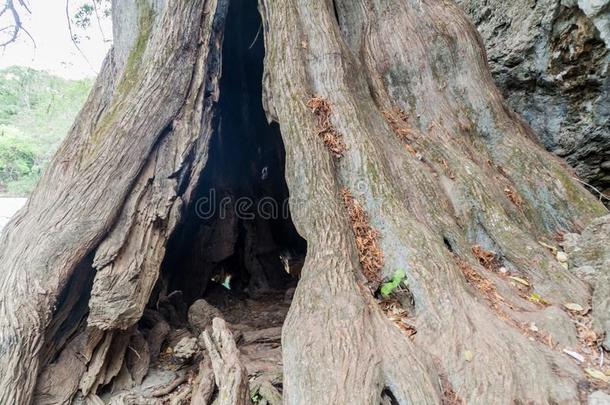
(230, 374)
(168, 389)
(369, 251)
(489, 291)
(491, 262)
(326, 130)
(450, 397)
(482, 284)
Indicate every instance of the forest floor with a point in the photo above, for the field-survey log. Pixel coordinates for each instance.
(173, 375)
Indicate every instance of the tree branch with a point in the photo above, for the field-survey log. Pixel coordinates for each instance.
(17, 25)
(72, 38)
(10, 7)
(99, 22)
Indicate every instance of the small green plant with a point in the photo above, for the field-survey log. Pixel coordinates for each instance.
(397, 279)
(534, 297)
(255, 397)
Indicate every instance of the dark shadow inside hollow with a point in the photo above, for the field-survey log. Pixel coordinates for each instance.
(70, 309)
(238, 231)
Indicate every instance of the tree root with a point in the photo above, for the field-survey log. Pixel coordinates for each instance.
(229, 373)
(169, 388)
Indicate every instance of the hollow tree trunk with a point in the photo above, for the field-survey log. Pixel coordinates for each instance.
(451, 168)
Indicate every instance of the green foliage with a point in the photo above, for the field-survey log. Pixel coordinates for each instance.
(397, 279)
(36, 111)
(87, 13)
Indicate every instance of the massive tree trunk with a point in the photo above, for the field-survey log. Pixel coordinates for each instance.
(399, 154)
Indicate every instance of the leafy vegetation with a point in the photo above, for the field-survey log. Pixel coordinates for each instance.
(397, 279)
(36, 111)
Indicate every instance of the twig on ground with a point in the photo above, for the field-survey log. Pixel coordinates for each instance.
(169, 388)
(602, 196)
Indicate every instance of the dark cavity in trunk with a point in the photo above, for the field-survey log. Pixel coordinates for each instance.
(238, 232)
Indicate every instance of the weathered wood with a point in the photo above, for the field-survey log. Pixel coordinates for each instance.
(262, 335)
(229, 373)
(452, 168)
(133, 120)
(431, 200)
(203, 386)
(138, 357)
(60, 380)
(169, 388)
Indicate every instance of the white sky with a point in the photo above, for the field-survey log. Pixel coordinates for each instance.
(54, 50)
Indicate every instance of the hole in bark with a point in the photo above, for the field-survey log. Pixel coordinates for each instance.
(336, 13)
(237, 238)
(448, 244)
(70, 310)
(236, 253)
(388, 398)
(236, 246)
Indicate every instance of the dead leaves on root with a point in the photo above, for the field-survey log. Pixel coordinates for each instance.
(450, 397)
(489, 291)
(326, 130)
(486, 258)
(514, 197)
(589, 340)
(394, 311)
(486, 287)
(398, 121)
(369, 253)
(491, 262)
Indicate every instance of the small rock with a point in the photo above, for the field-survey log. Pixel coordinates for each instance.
(186, 348)
(570, 242)
(201, 314)
(599, 398)
(562, 257)
(574, 307)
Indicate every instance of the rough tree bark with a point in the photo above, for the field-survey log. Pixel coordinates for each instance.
(432, 155)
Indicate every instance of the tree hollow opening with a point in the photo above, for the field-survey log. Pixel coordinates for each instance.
(237, 236)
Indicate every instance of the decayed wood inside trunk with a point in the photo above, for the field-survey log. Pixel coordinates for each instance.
(397, 153)
(228, 223)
